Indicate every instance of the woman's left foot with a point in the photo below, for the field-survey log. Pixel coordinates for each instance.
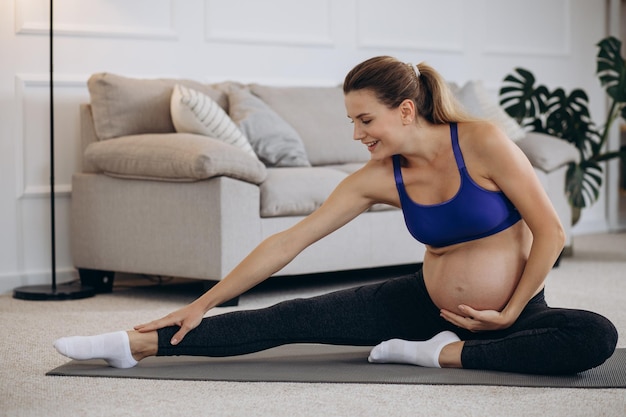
(423, 353)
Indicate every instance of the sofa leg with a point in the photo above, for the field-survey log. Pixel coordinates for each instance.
(100, 281)
(234, 302)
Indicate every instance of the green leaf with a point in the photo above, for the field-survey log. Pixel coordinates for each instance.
(517, 95)
(611, 68)
(583, 182)
(567, 117)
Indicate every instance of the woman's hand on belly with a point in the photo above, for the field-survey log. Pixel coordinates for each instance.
(472, 283)
(478, 320)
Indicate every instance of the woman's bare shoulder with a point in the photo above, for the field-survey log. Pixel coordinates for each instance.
(374, 170)
(375, 180)
(483, 139)
(481, 131)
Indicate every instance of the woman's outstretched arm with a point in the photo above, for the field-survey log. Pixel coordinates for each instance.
(346, 202)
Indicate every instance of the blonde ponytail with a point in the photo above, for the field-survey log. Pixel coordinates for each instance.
(393, 81)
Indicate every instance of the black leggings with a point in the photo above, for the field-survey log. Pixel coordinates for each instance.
(543, 340)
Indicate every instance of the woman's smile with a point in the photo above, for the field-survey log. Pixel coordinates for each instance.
(371, 145)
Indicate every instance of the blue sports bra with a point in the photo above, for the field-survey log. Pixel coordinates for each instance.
(472, 213)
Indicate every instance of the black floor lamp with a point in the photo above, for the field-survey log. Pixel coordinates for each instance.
(53, 291)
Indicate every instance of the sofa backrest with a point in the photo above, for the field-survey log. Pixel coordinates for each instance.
(318, 114)
(123, 106)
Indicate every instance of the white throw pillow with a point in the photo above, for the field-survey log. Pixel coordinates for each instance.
(195, 112)
(476, 101)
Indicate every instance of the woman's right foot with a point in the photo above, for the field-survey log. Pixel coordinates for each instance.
(114, 348)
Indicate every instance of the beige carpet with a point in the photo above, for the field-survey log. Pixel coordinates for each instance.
(594, 278)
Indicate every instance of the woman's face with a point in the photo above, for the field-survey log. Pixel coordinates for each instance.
(375, 125)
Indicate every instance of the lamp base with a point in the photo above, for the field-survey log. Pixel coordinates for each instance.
(69, 291)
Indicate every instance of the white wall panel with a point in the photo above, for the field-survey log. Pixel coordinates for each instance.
(276, 22)
(529, 27)
(33, 147)
(411, 24)
(35, 236)
(111, 18)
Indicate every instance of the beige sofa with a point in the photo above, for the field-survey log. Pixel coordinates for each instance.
(157, 195)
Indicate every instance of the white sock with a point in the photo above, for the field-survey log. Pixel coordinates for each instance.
(112, 347)
(424, 353)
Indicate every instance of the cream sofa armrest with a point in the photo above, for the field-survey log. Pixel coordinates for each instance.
(547, 152)
(87, 135)
(181, 157)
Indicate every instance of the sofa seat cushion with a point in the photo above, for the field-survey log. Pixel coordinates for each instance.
(297, 191)
(300, 191)
(173, 157)
(348, 168)
(319, 116)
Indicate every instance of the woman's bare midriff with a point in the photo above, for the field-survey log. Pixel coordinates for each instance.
(482, 273)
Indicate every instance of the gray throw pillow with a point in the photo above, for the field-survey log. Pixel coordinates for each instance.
(274, 141)
(319, 115)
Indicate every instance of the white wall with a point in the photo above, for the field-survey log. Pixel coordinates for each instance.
(269, 41)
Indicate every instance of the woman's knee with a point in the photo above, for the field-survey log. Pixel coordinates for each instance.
(597, 339)
(607, 333)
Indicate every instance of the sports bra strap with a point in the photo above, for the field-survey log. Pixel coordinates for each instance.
(396, 169)
(460, 163)
(456, 149)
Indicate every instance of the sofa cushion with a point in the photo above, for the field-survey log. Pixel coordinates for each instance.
(319, 116)
(476, 101)
(125, 106)
(275, 142)
(348, 168)
(297, 191)
(547, 152)
(173, 157)
(194, 112)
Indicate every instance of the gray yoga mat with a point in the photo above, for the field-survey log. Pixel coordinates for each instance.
(336, 364)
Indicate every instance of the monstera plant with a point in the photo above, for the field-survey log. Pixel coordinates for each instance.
(567, 116)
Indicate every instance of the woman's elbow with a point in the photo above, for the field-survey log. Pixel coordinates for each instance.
(552, 234)
(560, 237)
(556, 235)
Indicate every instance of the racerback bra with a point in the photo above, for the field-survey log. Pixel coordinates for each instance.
(473, 213)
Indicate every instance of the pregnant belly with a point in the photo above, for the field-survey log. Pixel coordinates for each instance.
(482, 274)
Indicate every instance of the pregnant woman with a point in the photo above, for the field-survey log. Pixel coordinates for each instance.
(467, 192)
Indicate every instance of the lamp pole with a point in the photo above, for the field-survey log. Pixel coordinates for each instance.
(52, 292)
